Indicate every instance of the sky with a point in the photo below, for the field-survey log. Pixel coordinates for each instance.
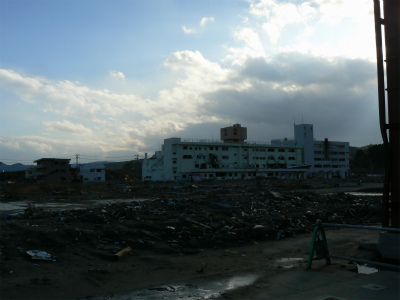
(111, 79)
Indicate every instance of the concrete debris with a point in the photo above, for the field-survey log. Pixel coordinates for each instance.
(39, 255)
(183, 219)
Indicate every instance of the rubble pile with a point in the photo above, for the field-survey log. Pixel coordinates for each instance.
(183, 220)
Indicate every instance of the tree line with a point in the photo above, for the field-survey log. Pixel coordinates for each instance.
(371, 159)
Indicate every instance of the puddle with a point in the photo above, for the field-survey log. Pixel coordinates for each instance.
(366, 270)
(16, 207)
(285, 260)
(200, 290)
(289, 262)
(365, 194)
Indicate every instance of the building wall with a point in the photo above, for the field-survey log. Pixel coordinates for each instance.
(53, 170)
(331, 159)
(204, 160)
(93, 173)
(304, 136)
(31, 174)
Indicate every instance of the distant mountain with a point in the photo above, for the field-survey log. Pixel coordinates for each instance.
(14, 167)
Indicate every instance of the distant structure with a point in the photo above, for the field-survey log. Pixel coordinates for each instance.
(228, 158)
(31, 174)
(327, 158)
(93, 173)
(53, 170)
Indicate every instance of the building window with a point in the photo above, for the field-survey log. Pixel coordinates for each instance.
(196, 165)
(225, 157)
(291, 158)
(92, 170)
(187, 157)
(224, 148)
(184, 147)
(271, 150)
(98, 170)
(291, 150)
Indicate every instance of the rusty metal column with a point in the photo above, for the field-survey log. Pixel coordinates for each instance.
(391, 9)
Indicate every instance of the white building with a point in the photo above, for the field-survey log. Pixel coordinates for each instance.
(327, 158)
(229, 158)
(93, 172)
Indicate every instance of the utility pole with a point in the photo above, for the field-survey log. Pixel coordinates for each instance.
(389, 106)
(137, 166)
(77, 160)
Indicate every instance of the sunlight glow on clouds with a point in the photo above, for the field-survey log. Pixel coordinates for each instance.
(67, 126)
(283, 59)
(279, 14)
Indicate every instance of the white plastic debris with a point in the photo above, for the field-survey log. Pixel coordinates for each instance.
(39, 255)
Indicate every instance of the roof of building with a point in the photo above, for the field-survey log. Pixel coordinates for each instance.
(52, 159)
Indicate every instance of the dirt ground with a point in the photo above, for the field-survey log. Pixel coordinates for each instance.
(182, 233)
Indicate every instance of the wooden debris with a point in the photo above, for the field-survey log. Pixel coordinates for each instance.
(122, 253)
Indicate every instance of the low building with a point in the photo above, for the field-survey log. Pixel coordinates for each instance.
(228, 158)
(93, 173)
(53, 170)
(31, 174)
(327, 158)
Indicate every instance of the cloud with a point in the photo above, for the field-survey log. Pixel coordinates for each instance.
(280, 14)
(117, 75)
(188, 30)
(205, 20)
(337, 95)
(67, 126)
(335, 11)
(253, 46)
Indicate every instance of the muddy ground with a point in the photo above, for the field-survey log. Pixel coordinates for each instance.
(186, 233)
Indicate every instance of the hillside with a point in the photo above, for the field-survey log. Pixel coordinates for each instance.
(371, 159)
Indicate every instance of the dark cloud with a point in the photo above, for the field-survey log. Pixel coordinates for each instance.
(338, 96)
